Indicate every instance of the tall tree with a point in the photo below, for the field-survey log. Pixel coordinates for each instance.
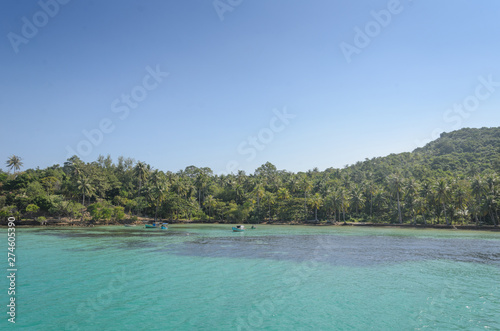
(357, 199)
(478, 190)
(370, 189)
(306, 186)
(269, 199)
(14, 162)
(442, 196)
(344, 200)
(395, 185)
(157, 190)
(316, 202)
(141, 171)
(210, 202)
(85, 187)
(259, 192)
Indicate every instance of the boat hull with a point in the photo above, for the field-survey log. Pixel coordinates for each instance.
(148, 226)
(237, 230)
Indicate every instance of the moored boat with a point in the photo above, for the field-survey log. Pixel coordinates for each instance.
(128, 225)
(164, 226)
(239, 228)
(150, 226)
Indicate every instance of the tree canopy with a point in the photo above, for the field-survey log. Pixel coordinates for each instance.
(452, 180)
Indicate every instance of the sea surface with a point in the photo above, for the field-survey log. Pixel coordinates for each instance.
(206, 277)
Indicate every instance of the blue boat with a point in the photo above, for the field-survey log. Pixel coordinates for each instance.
(239, 228)
(164, 226)
(150, 226)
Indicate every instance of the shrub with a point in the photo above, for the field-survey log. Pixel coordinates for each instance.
(118, 213)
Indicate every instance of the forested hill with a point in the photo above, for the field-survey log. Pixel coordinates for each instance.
(452, 180)
(464, 152)
(484, 142)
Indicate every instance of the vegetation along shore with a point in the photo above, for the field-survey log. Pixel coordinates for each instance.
(451, 182)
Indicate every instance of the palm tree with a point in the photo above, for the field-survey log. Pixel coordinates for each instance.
(85, 187)
(210, 202)
(141, 171)
(14, 162)
(379, 199)
(492, 182)
(334, 203)
(411, 189)
(293, 184)
(442, 196)
(370, 189)
(158, 190)
(269, 199)
(357, 198)
(201, 183)
(259, 192)
(316, 202)
(306, 186)
(461, 198)
(239, 190)
(489, 207)
(427, 195)
(344, 200)
(478, 190)
(420, 208)
(283, 193)
(395, 185)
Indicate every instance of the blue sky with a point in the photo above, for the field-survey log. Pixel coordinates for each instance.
(223, 74)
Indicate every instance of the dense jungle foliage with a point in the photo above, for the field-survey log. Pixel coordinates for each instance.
(452, 180)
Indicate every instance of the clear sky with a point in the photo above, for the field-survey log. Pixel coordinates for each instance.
(231, 84)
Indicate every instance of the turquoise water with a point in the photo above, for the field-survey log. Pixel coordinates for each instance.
(201, 277)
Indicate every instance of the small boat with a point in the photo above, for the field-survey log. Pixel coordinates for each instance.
(164, 226)
(239, 228)
(150, 226)
(128, 225)
(253, 227)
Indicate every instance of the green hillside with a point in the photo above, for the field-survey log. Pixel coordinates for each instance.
(452, 180)
(472, 148)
